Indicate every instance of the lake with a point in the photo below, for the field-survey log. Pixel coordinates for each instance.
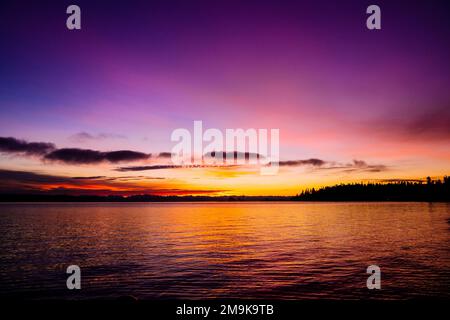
(279, 250)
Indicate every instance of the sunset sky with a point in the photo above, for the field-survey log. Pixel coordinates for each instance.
(351, 104)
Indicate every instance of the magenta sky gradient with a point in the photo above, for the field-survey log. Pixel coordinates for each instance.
(336, 90)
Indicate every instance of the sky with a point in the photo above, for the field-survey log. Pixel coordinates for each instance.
(91, 111)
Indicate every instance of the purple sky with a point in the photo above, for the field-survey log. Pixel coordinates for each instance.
(140, 69)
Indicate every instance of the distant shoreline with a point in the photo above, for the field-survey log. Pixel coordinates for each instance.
(432, 191)
(234, 201)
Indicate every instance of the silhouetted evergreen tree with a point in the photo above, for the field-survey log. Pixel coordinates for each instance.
(433, 190)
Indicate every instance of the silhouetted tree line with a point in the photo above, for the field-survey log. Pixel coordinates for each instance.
(432, 190)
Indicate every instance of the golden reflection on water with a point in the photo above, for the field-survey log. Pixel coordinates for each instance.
(252, 250)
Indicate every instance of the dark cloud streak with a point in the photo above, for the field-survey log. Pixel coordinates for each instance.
(86, 156)
(153, 167)
(312, 162)
(49, 152)
(13, 145)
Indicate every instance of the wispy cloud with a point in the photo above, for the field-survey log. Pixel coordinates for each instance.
(431, 124)
(313, 163)
(319, 164)
(363, 166)
(169, 166)
(82, 137)
(399, 180)
(356, 165)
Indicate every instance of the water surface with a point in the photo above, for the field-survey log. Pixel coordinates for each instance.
(225, 250)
